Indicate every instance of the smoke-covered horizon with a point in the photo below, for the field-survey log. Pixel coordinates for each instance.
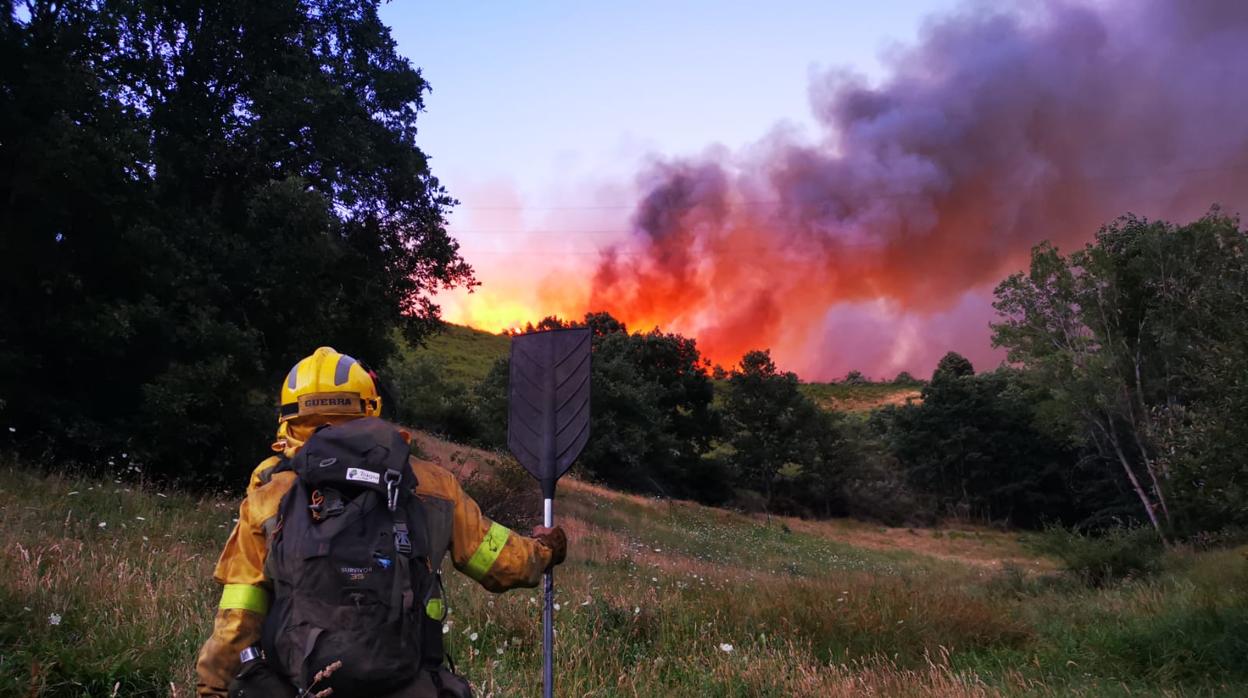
(875, 244)
(999, 129)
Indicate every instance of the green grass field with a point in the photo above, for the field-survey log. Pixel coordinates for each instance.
(105, 591)
(465, 353)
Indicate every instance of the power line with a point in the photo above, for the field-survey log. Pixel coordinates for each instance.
(860, 197)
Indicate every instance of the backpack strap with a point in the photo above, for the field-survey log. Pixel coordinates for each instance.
(402, 598)
(283, 464)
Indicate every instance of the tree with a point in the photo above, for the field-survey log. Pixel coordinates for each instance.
(904, 378)
(951, 367)
(776, 433)
(195, 195)
(854, 378)
(976, 445)
(1142, 335)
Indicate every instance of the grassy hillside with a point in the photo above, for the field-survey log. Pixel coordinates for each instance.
(845, 397)
(465, 353)
(105, 591)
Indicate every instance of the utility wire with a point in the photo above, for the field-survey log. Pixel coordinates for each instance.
(859, 197)
(735, 252)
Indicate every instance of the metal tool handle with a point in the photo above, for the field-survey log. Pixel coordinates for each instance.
(548, 617)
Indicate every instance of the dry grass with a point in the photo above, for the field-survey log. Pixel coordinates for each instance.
(860, 397)
(657, 599)
(89, 607)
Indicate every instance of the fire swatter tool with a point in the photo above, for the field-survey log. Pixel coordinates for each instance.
(547, 427)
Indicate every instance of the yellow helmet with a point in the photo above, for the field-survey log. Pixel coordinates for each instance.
(328, 383)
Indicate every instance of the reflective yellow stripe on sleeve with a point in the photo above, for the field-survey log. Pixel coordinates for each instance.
(483, 559)
(245, 596)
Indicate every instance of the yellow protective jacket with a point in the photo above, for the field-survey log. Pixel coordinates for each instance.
(486, 551)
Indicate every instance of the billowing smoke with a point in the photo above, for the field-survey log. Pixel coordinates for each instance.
(877, 246)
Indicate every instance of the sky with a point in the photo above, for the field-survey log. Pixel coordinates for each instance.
(612, 156)
(527, 94)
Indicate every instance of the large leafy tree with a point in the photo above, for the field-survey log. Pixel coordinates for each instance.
(781, 442)
(979, 446)
(193, 195)
(1143, 336)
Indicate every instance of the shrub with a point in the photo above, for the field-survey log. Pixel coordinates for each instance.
(1104, 558)
(505, 493)
(426, 398)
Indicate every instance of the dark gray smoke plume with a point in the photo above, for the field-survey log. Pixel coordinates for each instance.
(1001, 128)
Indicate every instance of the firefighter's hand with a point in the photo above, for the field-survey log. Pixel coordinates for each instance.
(555, 539)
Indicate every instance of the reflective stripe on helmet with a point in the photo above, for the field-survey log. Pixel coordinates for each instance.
(435, 609)
(483, 559)
(245, 596)
(343, 370)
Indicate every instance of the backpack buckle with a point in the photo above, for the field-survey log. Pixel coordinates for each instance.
(402, 542)
(392, 488)
(326, 504)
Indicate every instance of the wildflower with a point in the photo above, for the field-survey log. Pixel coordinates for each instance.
(557, 607)
(473, 637)
(498, 651)
(446, 629)
(54, 619)
(139, 518)
(103, 524)
(636, 610)
(12, 430)
(725, 647)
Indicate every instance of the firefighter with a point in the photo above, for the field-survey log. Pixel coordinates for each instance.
(330, 388)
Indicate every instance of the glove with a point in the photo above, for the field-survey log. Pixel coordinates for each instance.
(554, 539)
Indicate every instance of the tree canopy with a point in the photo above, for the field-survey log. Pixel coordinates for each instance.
(194, 195)
(1142, 337)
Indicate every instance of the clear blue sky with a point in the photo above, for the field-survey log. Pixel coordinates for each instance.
(530, 94)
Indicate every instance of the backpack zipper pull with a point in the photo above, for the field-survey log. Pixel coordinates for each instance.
(392, 489)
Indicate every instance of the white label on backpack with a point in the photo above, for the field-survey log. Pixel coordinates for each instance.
(361, 475)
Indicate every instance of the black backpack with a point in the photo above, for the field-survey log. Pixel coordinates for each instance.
(350, 564)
